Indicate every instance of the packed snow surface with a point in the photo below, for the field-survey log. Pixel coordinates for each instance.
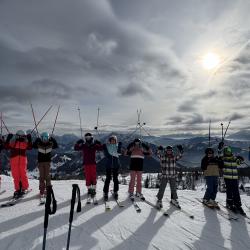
(21, 226)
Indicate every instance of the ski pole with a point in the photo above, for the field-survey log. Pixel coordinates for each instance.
(1, 123)
(79, 112)
(222, 139)
(97, 121)
(55, 120)
(209, 133)
(34, 118)
(5, 126)
(75, 192)
(226, 129)
(50, 200)
(1, 143)
(41, 118)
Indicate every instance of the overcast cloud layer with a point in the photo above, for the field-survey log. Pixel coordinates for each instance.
(122, 56)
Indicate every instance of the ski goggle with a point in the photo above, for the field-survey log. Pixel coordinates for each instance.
(88, 137)
(45, 138)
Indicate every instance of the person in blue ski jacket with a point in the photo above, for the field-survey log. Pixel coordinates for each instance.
(111, 151)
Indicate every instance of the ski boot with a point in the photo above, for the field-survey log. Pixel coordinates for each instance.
(93, 196)
(241, 211)
(42, 199)
(16, 195)
(131, 196)
(89, 196)
(208, 203)
(175, 203)
(232, 208)
(140, 195)
(215, 204)
(159, 204)
(105, 196)
(115, 195)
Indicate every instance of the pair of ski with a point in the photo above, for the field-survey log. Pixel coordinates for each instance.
(235, 214)
(15, 200)
(92, 200)
(226, 214)
(107, 205)
(165, 213)
(135, 204)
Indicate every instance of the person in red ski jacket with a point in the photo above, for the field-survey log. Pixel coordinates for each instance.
(89, 148)
(18, 145)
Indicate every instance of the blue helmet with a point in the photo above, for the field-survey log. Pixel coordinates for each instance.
(45, 136)
(20, 133)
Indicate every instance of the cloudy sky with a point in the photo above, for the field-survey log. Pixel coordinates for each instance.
(122, 56)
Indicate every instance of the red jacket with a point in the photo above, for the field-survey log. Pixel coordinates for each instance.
(89, 152)
(18, 151)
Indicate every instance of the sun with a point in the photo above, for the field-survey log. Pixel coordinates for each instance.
(210, 61)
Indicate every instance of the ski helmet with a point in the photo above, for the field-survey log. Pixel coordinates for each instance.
(169, 149)
(228, 151)
(113, 137)
(20, 133)
(88, 137)
(45, 136)
(137, 141)
(209, 151)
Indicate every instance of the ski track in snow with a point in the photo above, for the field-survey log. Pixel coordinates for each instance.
(121, 228)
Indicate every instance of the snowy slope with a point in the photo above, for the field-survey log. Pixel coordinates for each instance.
(21, 226)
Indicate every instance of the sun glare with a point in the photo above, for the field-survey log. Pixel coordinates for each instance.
(210, 61)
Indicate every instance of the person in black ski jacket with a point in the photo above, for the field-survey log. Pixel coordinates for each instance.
(44, 146)
(111, 151)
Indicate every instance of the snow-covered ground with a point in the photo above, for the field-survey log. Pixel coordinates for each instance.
(21, 226)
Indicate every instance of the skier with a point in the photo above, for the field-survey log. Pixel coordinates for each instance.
(111, 151)
(169, 173)
(137, 150)
(230, 174)
(18, 145)
(211, 166)
(89, 148)
(44, 146)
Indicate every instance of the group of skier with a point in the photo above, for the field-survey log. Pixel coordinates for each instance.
(18, 144)
(212, 165)
(226, 164)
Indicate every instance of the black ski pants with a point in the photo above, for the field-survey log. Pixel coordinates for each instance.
(111, 172)
(232, 191)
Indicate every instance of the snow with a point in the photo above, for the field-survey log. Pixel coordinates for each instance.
(122, 228)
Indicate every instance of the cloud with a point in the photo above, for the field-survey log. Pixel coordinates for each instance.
(134, 89)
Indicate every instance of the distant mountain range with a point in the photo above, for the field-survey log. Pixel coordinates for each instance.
(67, 162)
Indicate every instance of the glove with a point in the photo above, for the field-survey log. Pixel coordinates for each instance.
(160, 148)
(29, 138)
(81, 141)
(221, 144)
(144, 145)
(96, 142)
(180, 148)
(9, 137)
(119, 144)
(52, 139)
(239, 158)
